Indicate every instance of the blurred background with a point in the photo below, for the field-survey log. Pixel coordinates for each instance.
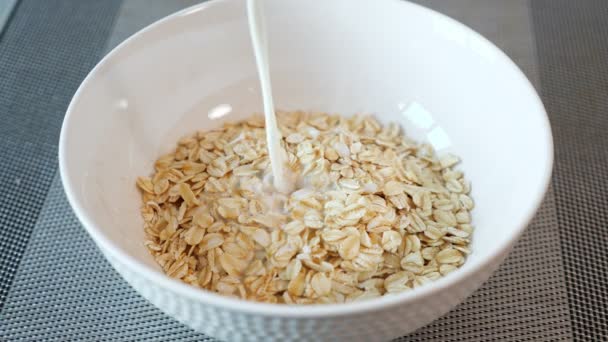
(55, 285)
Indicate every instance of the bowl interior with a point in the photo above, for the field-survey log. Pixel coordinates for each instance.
(442, 82)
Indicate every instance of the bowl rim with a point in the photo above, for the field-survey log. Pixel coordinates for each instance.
(298, 311)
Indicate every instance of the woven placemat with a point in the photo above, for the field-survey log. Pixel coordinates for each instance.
(46, 49)
(55, 284)
(572, 44)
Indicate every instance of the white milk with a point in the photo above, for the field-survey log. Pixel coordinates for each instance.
(283, 182)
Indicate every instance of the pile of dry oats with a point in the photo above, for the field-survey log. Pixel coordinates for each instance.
(375, 214)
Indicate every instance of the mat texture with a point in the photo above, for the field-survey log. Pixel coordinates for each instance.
(552, 287)
(573, 51)
(46, 49)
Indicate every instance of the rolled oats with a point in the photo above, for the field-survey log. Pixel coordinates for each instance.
(375, 212)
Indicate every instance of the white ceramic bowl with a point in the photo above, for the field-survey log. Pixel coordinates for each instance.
(443, 82)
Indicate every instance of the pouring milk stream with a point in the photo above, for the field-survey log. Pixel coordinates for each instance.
(282, 182)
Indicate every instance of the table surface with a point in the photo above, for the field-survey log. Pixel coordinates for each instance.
(55, 285)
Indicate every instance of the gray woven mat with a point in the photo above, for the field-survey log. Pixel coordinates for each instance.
(46, 49)
(572, 41)
(55, 285)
